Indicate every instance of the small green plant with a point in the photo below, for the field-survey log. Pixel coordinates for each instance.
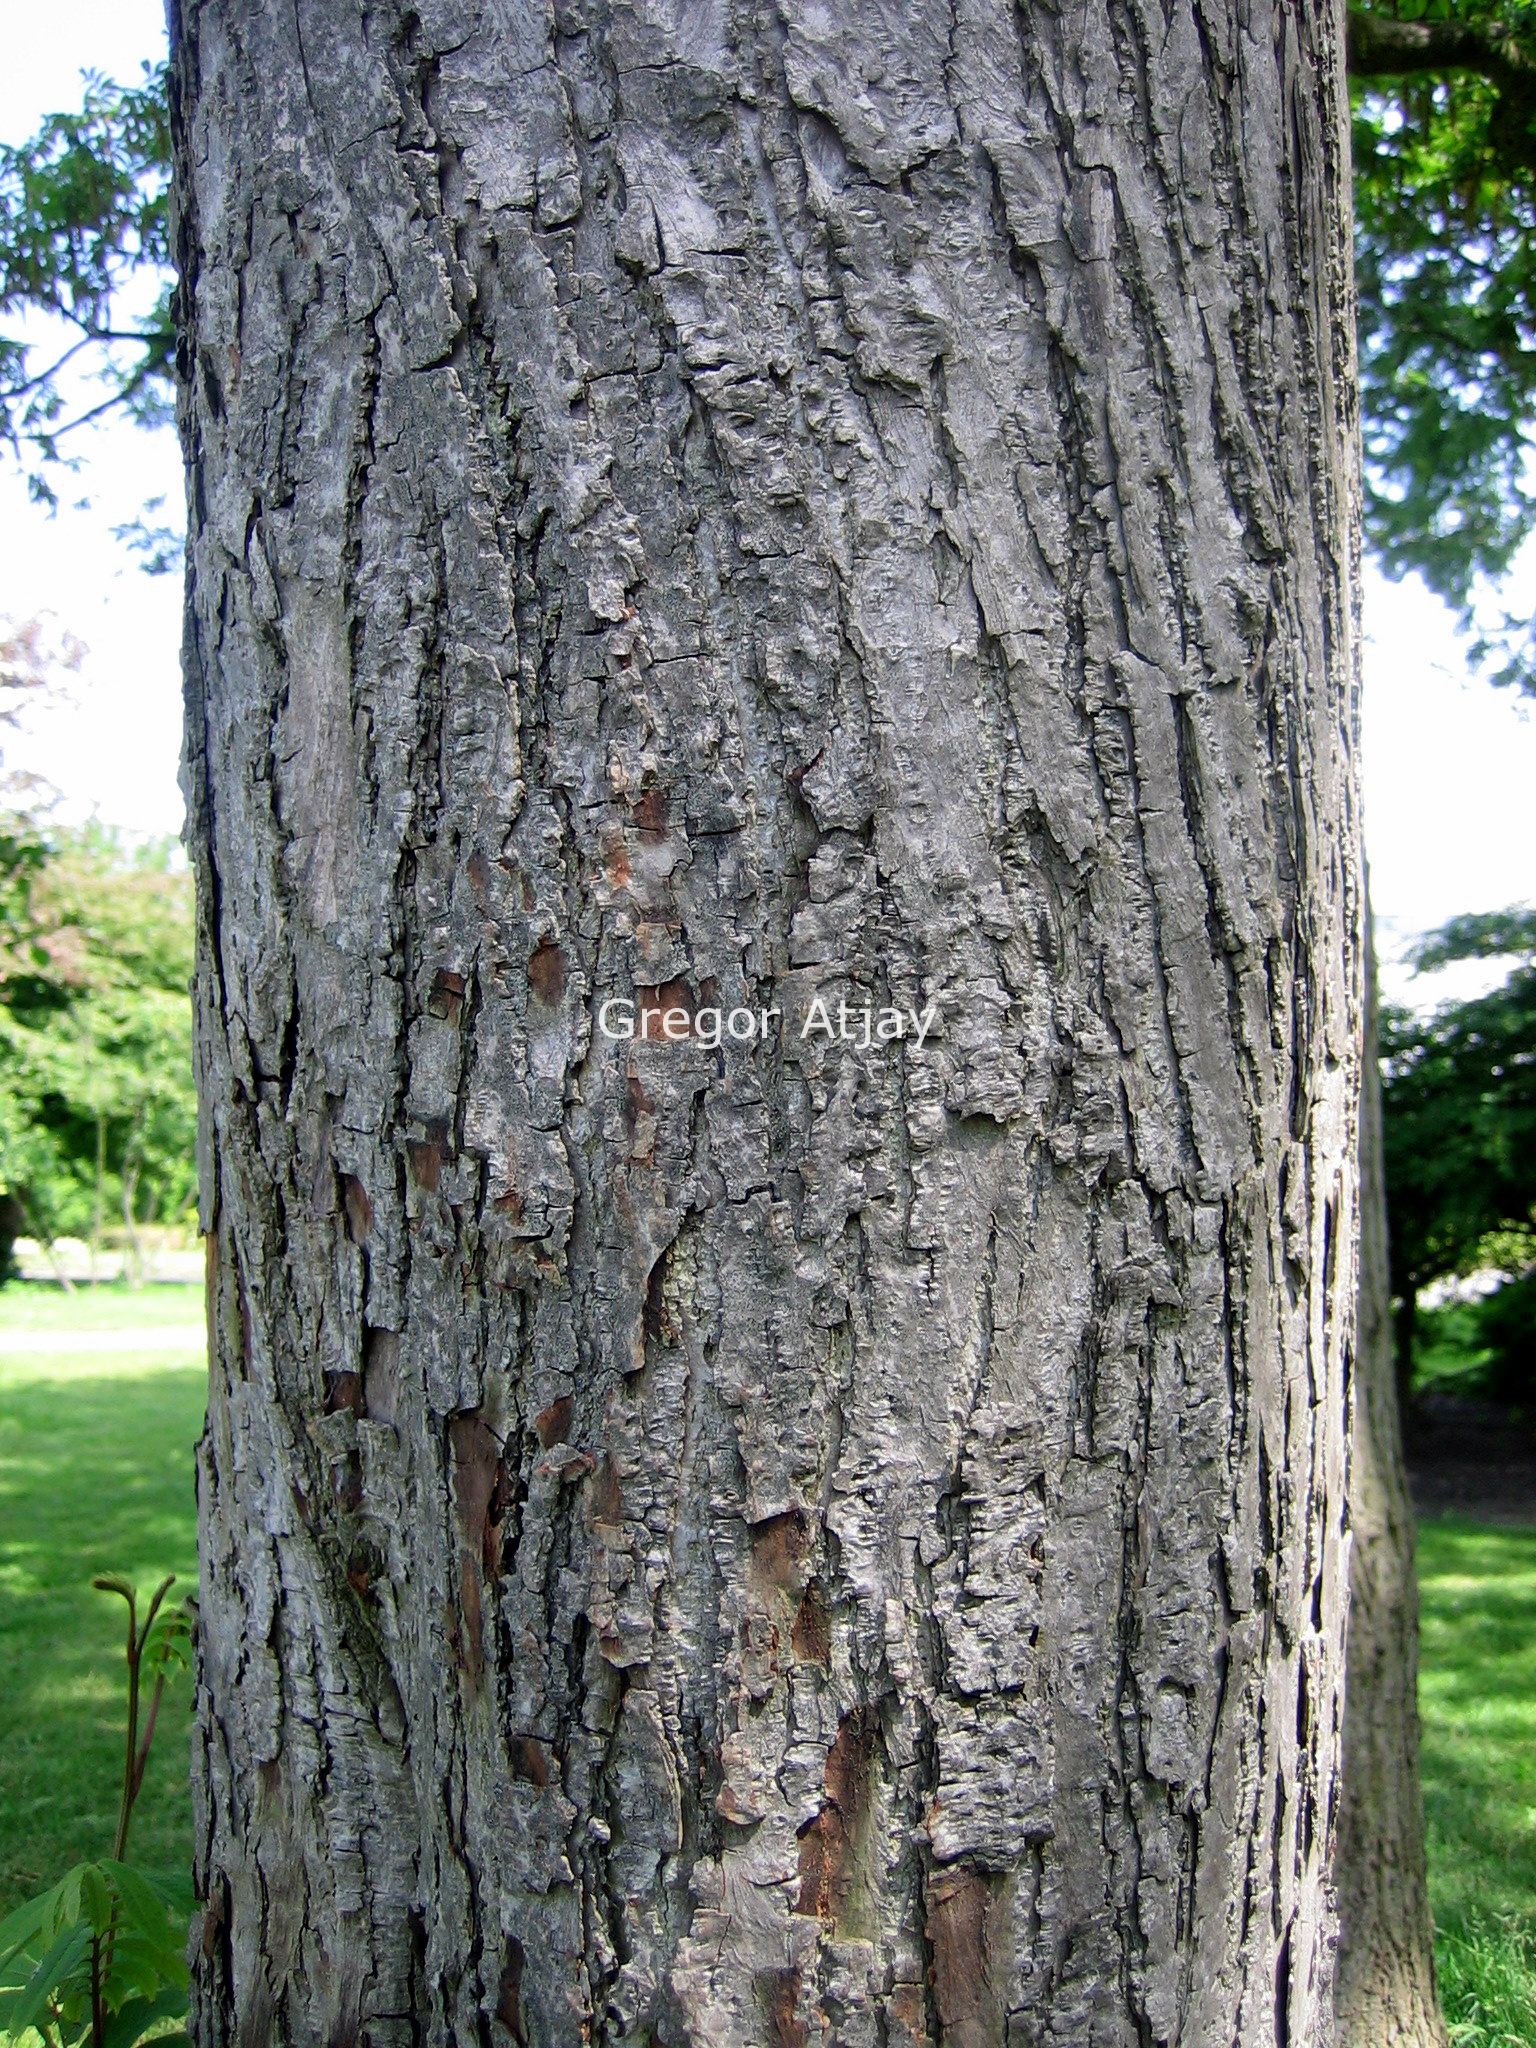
(98, 1960)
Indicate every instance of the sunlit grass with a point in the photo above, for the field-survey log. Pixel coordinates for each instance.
(44, 1305)
(95, 1475)
(1477, 1699)
(1488, 1984)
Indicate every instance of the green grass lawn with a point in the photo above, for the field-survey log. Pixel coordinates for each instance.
(44, 1305)
(95, 1475)
(1477, 1698)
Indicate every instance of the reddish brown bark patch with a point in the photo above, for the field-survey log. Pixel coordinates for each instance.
(426, 1163)
(960, 1902)
(780, 1545)
(215, 1916)
(551, 1424)
(481, 877)
(529, 1761)
(465, 1623)
(811, 1636)
(655, 1006)
(481, 1494)
(347, 1483)
(502, 1496)
(359, 1208)
(616, 861)
(660, 1323)
(546, 974)
(650, 816)
(829, 1843)
(427, 1154)
(905, 2008)
(381, 1373)
(637, 1109)
(447, 997)
(343, 1393)
(476, 1461)
(778, 1993)
(607, 1493)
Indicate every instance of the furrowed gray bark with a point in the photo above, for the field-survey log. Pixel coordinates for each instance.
(743, 505)
(1386, 1966)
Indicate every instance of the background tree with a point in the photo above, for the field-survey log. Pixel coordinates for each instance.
(1387, 1996)
(97, 1110)
(1445, 264)
(1460, 1090)
(24, 667)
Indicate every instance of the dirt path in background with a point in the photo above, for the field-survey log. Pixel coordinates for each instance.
(1472, 1458)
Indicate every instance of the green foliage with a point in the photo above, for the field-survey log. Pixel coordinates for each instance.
(97, 1112)
(1449, 1354)
(1505, 1326)
(83, 208)
(1485, 1346)
(1459, 1103)
(1459, 1091)
(1480, 935)
(99, 1958)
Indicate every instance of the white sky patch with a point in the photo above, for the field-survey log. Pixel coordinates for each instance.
(1450, 783)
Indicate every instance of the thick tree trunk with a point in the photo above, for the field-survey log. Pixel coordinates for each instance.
(1386, 1981)
(795, 1542)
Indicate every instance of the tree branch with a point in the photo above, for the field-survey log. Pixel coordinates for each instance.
(1382, 48)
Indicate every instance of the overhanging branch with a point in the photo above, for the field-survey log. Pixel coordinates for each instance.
(1380, 47)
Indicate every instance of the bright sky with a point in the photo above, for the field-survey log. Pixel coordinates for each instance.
(1450, 764)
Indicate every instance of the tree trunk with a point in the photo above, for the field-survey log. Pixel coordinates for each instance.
(797, 1541)
(1404, 1335)
(1386, 1983)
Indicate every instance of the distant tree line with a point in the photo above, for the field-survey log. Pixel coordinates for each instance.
(97, 1112)
(1459, 1094)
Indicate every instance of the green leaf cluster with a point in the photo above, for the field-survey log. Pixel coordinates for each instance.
(99, 1959)
(106, 1943)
